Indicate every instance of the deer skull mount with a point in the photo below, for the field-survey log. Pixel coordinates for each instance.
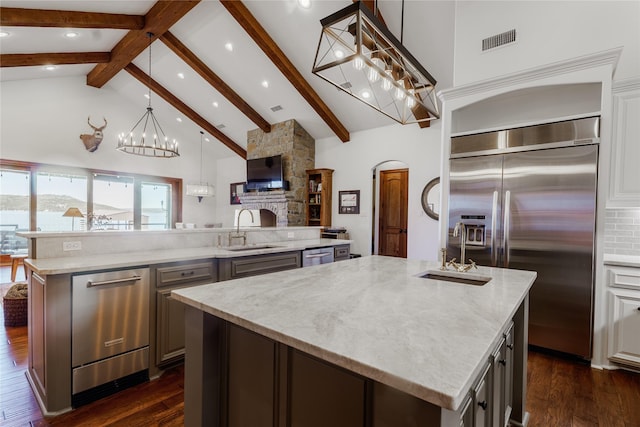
(91, 142)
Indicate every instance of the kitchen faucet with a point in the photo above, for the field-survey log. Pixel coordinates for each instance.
(460, 230)
(242, 236)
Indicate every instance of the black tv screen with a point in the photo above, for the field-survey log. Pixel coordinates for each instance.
(264, 173)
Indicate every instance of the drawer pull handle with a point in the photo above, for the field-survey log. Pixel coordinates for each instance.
(191, 273)
(502, 362)
(510, 346)
(483, 404)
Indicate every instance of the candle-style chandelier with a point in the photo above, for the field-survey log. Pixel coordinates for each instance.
(150, 139)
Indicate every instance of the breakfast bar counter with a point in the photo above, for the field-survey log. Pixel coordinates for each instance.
(369, 331)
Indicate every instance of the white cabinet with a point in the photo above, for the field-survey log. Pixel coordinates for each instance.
(624, 315)
(624, 186)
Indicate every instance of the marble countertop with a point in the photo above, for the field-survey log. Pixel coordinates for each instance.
(131, 259)
(622, 260)
(374, 316)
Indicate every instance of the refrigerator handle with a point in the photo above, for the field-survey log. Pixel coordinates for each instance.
(507, 224)
(494, 221)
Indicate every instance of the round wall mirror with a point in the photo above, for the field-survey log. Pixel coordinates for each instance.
(431, 198)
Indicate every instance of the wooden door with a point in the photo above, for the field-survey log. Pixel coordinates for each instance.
(392, 226)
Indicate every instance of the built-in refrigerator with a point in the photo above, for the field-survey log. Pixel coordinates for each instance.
(527, 197)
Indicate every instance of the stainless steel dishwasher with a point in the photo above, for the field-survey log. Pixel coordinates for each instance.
(109, 332)
(317, 256)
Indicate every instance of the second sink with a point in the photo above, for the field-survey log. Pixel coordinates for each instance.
(456, 277)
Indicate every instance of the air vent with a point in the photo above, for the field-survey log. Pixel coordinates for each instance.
(221, 126)
(345, 85)
(276, 108)
(499, 40)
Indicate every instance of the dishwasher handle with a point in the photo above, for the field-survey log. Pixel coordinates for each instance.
(91, 283)
(320, 255)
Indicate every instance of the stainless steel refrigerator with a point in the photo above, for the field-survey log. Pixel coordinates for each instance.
(527, 197)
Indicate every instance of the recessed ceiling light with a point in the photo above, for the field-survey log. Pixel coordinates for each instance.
(229, 46)
(146, 95)
(71, 34)
(339, 53)
(365, 94)
(4, 34)
(265, 84)
(181, 75)
(50, 67)
(305, 3)
(206, 139)
(215, 104)
(179, 119)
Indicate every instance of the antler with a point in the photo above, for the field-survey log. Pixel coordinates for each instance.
(96, 128)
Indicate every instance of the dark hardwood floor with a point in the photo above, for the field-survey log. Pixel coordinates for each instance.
(560, 392)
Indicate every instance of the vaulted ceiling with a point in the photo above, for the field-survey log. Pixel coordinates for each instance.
(200, 80)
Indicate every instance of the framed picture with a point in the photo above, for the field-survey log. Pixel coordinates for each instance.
(349, 202)
(236, 192)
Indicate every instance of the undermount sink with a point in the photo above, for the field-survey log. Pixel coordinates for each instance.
(455, 277)
(248, 247)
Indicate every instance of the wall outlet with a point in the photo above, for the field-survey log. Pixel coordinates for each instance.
(290, 235)
(72, 246)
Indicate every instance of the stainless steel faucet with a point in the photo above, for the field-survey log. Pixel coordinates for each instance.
(460, 230)
(242, 236)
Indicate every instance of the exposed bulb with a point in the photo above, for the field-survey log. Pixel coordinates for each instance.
(399, 93)
(358, 63)
(386, 82)
(373, 75)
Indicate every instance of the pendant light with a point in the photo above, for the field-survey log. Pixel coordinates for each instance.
(360, 56)
(201, 189)
(148, 140)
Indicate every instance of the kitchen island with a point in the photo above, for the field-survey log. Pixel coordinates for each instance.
(363, 342)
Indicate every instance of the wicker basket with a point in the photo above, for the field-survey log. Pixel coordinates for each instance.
(15, 305)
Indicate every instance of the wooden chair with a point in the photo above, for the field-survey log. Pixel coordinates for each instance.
(16, 260)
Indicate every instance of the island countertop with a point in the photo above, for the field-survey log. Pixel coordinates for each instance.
(376, 317)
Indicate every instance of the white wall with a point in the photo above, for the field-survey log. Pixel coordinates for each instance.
(229, 170)
(42, 120)
(547, 32)
(354, 163)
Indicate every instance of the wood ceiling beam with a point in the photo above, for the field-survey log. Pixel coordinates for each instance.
(158, 20)
(17, 17)
(418, 111)
(214, 80)
(35, 59)
(259, 35)
(185, 109)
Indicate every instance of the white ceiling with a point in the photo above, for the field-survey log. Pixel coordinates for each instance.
(428, 35)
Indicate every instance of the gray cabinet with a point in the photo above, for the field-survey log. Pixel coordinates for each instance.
(169, 312)
(235, 268)
(482, 399)
(341, 252)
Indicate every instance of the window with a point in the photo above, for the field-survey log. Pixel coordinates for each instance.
(14, 210)
(156, 206)
(57, 192)
(112, 202)
(104, 200)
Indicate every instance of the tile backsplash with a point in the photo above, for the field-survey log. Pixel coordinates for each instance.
(622, 232)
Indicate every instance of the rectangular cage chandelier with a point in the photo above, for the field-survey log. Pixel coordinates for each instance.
(360, 56)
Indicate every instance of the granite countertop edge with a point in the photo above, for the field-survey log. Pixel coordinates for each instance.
(77, 264)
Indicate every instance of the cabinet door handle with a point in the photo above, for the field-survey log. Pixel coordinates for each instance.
(502, 362)
(638, 308)
(191, 273)
(483, 404)
(510, 346)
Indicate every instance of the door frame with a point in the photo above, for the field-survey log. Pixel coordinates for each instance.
(375, 199)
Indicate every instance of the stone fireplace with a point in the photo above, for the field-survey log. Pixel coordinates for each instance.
(297, 148)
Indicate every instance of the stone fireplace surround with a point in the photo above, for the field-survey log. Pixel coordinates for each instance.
(297, 148)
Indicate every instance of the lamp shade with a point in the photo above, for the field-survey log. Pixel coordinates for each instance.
(73, 212)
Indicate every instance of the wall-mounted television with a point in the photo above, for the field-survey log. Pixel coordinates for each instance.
(265, 173)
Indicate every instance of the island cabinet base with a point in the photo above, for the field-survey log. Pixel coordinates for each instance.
(235, 377)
